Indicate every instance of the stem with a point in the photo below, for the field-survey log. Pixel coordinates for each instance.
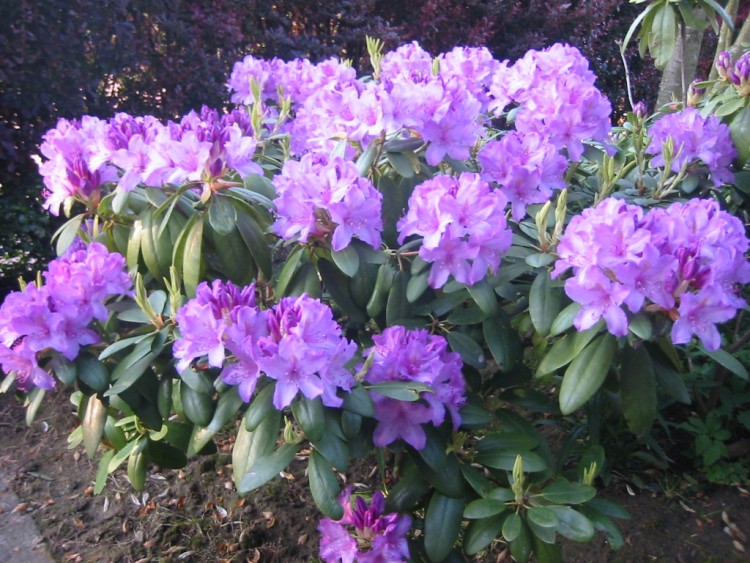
(683, 70)
(628, 85)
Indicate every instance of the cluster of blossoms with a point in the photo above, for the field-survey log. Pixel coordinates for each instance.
(127, 151)
(686, 260)
(463, 224)
(738, 74)
(57, 315)
(445, 101)
(364, 533)
(415, 356)
(318, 197)
(297, 343)
(694, 137)
(557, 107)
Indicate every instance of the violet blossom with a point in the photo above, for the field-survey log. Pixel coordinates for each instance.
(462, 222)
(416, 356)
(364, 534)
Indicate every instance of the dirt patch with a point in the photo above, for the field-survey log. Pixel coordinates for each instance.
(195, 514)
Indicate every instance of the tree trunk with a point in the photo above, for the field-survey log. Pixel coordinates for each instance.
(685, 56)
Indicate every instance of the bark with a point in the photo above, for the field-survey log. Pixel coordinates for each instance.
(685, 57)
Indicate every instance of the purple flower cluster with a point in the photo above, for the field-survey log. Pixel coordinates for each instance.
(320, 197)
(297, 343)
(463, 224)
(526, 166)
(694, 137)
(297, 79)
(83, 155)
(364, 534)
(686, 261)
(556, 97)
(57, 315)
(414, 356)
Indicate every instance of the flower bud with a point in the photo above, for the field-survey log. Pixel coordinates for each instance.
(742, 75)
(724, 65)
(694, 94)
(640, 110)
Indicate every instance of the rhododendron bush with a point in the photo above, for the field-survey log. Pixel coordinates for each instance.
(380, 267)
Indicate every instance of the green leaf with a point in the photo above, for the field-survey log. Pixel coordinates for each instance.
(333, 445)
(192, 258)
(260, 407)
(291, 264)
(467, 315)
(92, 372)
(474, 417)
(324, 486)
(442, 525)
(310, 415)
(638, 390)
(102, 473)
(562, 491)
(573, 525)
(266, 468)
(131, 368)
(121, 456)
(502, 341)
(471, 353)
(306, 281)
(405, 164)
(397, 307)
(484, 296)
(262, 186)
(66, 234)
(542, 517)
(521, 547)
(252, 232)
(544, 303)
(586, 373)
(221, 214)
(512, 527)
(198, 407)
(358, 401)
(564, 319)
(484, 508)
(539, 260)
(417, 285)
(347, 260)
(728, 361)
(227, 407)
(507, 440)
(670, 381)
(505, 459)
(604, 524)
(480, 533)
(249, 446)
(408, 491)
(400, 390)
(565, 350)
(92, 424)
(662, 35)
(337, 285)
(608, 508)
(641, 326)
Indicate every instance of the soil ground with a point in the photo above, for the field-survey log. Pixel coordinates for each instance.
(195, 514)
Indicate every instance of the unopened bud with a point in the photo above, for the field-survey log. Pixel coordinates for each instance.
(742, 75)
(695, 93)
(724, 65)
(640, 110)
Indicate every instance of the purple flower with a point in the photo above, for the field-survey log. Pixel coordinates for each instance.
(204, 320)
(305, 352)
(364, 533)
(57, 316)
(526, 167)
(22, 361)
(462, 224)
(686, 260)
(319, 197)
(694, 138)
(417, 356)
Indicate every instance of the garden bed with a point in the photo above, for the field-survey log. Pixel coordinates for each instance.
(195, 514)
